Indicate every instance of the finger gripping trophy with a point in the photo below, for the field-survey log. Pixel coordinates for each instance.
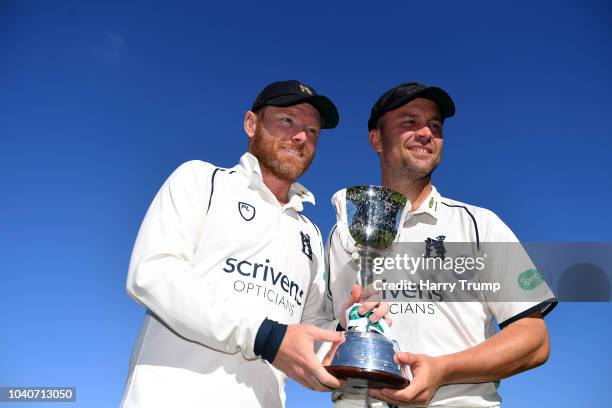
(372, 215)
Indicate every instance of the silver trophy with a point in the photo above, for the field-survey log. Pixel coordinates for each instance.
(365, 359)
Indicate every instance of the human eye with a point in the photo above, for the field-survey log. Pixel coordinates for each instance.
(407, 123)
(287, 121)
(435, 126)
(312, 131)
(407, 119)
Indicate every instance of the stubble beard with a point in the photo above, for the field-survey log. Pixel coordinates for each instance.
(418, 171)
(410, 168)
(266, 149)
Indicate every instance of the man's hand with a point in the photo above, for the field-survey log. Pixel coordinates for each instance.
(427, 374)
(370, 300)
(519, 346)
(297, 359)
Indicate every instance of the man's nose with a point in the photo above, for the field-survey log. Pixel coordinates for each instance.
(300, 137)
(424, 135)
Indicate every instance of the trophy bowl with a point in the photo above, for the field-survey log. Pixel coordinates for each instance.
(366, 358)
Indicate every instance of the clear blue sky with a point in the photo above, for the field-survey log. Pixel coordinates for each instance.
(100, 101)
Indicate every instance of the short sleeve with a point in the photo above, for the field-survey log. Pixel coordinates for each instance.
(521, 288)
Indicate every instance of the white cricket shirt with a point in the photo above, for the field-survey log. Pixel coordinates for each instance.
(438, 327)
(217, 254)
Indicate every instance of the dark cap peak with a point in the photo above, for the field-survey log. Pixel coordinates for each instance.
(408, 91)
(293, 92)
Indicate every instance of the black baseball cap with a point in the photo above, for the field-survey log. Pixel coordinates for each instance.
(406, 92)
(288, 93)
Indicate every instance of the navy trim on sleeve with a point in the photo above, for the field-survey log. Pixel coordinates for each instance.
(268, 339)
(473, 219)
(544, 307)
(212, 187)
(328, 263)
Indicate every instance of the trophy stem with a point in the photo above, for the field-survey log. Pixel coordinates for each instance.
(365, 264)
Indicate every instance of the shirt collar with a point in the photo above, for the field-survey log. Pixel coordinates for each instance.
(249, 168)
(430, 204)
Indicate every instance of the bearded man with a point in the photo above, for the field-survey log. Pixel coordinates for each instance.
(231, 272)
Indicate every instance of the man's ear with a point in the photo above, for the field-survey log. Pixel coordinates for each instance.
(375, 137)
(250, 122)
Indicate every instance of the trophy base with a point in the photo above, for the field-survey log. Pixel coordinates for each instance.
(365, 360)
(359, 380)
